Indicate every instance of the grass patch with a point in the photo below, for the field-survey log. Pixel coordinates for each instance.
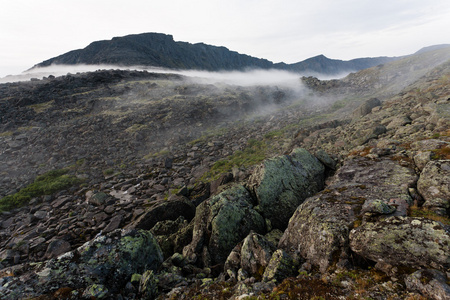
(41, 107)
(157, 154)
(46, 184)
(6, 133)
(252, 154)
(415, 211)
(443, 153)
(273, 134)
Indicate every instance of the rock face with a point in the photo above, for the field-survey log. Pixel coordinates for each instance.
(362, 188)
(403, 241)
(107, 261)
(220, 223)
(282, 183)
(434, 186)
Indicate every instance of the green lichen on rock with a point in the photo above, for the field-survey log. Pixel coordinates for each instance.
(280, 266)
(96, 291)
(148, 286)
(377, 206)
(403, 241)
(283, 183)
(223, 221)
(104, 264)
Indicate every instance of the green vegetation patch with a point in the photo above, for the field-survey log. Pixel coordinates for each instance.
(442, 153)
(45, 184)
(41, 107)
(252, 154)
(421, 212)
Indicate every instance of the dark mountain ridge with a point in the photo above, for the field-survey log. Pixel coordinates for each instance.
(160, 50)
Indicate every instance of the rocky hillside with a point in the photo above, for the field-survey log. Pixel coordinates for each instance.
(160, 50)
(158, 186)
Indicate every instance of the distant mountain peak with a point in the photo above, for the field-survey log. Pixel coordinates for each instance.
(432, 48)
(161, 50)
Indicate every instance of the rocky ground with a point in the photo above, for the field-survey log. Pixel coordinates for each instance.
(186, 189)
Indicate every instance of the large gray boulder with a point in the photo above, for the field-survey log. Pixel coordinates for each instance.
(108, 261)
(434, 186)
(403, 241)
(361, 189)
(220, 223)
(282, 183)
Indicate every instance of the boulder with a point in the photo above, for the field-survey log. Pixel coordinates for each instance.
(403, 241)
(319, 229)
(281, 266)
(252, 255)
(366, 107)
(282, 183)
(434, 186)
(220, 223)
(430, 283)
(103, 265)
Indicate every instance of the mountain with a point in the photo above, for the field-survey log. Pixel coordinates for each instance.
(432, 48)
(160, 50)
(322, 65)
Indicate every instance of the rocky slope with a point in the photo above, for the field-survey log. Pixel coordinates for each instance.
(160, 50)
(185, 189)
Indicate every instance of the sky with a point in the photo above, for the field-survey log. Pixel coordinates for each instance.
(289, 31)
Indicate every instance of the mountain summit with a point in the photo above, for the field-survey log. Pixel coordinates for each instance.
(160, 50)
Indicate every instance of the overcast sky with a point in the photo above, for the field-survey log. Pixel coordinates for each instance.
(32, 31)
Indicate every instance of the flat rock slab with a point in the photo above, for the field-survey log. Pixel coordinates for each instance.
(403, 241)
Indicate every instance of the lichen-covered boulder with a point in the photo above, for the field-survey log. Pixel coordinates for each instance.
(434, 186)
(319, 229)
(282, 183)
(101, 266)
(281, 266)
(403, 241)
(220, 223)
(252, 255)
(430, 283)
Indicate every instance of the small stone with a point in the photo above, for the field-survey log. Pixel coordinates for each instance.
(113, 224)
(40, 214)
(56, 248)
